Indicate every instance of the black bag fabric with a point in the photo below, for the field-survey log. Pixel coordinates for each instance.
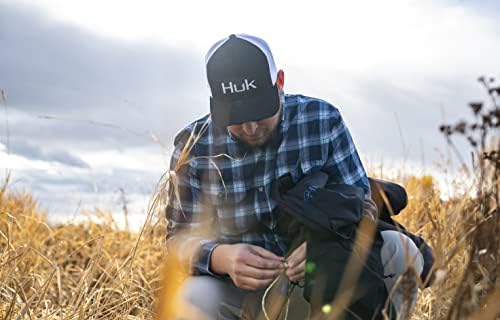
(327, 216)
(397, 200)
(395, 194)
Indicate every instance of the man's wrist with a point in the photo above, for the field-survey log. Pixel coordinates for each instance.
(218, 260)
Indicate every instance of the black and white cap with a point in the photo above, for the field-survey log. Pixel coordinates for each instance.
(242, 78)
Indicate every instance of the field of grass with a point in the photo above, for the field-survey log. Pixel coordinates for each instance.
(96, 271)
(85, 271)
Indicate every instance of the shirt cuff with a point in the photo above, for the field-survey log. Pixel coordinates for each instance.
(202, 264)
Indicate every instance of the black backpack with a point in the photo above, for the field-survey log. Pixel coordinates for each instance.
(327, 217)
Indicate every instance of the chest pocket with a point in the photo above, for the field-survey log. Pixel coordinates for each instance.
(225, 195)
(301, 161)
(235, 184)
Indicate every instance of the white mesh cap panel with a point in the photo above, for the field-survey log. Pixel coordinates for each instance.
(214, 48)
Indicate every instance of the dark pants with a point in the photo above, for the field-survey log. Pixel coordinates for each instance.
(220, 299)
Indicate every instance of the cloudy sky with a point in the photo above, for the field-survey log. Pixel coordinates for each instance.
(96, 90)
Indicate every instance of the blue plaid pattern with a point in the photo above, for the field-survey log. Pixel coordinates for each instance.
(225, 189)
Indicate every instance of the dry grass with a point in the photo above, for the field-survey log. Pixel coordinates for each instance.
(465, 282)
(85, 271)
(95, 271)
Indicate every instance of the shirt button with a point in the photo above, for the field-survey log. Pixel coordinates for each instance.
(261, 189)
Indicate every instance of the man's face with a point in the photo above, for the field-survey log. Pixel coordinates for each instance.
(255, 133)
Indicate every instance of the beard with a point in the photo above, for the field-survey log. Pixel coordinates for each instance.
(257, 140)
(264, 134)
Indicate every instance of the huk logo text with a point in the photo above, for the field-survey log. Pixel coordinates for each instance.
(233, 88)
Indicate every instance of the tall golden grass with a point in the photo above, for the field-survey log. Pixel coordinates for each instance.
(93, 270)
(90, 270)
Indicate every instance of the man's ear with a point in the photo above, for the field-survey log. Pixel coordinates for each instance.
(280, 80)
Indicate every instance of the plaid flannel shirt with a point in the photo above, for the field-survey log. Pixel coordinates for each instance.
(225, 190)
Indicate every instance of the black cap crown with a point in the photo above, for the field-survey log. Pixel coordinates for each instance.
(240, 74)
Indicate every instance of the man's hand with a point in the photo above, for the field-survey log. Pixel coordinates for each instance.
(250, 267)
(296, 264)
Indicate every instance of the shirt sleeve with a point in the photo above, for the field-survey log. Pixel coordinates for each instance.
(190, 229)
(343, 163)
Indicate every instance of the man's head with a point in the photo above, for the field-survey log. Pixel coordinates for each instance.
(245, 88)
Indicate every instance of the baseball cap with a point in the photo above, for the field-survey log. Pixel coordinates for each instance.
(242, 76)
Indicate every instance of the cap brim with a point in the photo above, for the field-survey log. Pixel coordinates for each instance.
(227, 112)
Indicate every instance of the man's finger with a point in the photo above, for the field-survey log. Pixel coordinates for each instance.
(266, 253)
(297, 255)
(294, 265)
(259, 262)
(297, 278)
(296, 270)
(261, 274)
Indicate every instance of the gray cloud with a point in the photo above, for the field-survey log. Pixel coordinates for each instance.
(54, 69)
(77, 179)
(68, 191)
(34, 152)
(396, 117)
(489, 8)
(84, 81)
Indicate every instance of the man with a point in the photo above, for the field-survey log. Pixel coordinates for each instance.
(222, 220)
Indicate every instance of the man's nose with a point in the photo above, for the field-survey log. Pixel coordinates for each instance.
(249, 128)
